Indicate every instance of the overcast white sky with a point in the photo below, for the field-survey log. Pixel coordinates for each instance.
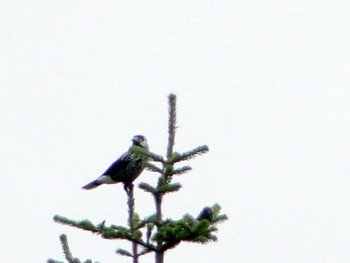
(263, 83)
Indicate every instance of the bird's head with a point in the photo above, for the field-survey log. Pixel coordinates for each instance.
(140, 140)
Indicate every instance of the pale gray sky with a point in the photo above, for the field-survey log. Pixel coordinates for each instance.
(263, 83)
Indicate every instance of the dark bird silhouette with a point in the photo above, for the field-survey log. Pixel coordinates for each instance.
(206, 213)
(124, 170)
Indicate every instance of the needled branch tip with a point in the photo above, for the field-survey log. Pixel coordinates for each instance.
(178, 157)
(65, 248)
(171, 125)
(83, 224)
(67, 253)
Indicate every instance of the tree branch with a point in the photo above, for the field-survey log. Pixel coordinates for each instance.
(131, 209)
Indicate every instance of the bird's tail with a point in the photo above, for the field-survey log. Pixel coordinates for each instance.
(92, 185)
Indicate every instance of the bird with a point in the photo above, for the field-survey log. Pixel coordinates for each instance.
(125, 169)
(206, 213)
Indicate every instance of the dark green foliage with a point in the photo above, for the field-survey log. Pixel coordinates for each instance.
(146, 154)
(179, 157)
(182, 170)
(67, 253)
(172, 232)
(217, 217)
(147, 188)
(153, 168)
(169, 233)
(168, 188)
(200, 230)
(123, 252)
(120, 228)
(50, 260)
(109, 233)
(83, 224)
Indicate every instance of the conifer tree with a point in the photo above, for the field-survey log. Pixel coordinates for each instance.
(154, 234)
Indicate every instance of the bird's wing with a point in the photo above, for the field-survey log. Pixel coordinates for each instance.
(119, 165)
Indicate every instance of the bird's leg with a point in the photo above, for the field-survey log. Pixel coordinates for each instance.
(128, 187)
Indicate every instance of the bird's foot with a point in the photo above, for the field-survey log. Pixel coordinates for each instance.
(128, 187)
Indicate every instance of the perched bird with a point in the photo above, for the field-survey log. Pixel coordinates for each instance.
(124, 170)
(206, 213)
